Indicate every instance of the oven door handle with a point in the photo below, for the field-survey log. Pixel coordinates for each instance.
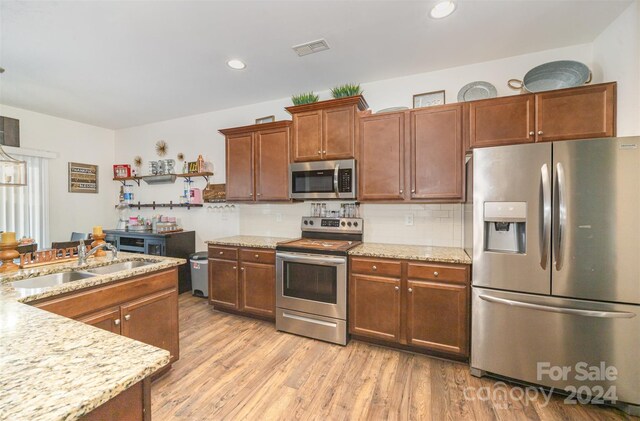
(296, 258)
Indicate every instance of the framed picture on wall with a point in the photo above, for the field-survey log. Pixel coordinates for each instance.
(268, 119)
(428, 99)
(83, 178)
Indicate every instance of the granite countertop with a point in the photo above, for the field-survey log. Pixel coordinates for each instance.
(412, 252)
(249, 241)
(55, 368)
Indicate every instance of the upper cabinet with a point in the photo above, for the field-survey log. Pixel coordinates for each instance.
(412, 155)
(257, 160)
(565, 114)
(325, 130)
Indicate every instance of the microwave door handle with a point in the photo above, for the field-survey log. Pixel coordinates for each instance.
(335, 180)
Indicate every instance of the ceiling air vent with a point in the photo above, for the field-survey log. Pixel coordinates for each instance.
(311, 47)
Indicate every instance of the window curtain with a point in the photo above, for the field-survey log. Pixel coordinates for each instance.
(25, 210)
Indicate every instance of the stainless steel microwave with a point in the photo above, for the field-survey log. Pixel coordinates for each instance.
(323, 180)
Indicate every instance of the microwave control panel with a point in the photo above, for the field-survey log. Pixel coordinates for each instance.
(345, 178)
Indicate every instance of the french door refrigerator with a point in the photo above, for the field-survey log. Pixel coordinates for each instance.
(556, 266)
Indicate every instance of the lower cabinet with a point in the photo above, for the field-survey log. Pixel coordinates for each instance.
(413, 304)
(243, 280)
(134, 404)
(143, 308)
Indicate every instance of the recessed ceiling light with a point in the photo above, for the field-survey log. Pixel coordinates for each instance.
(236, 64)
(443, 9)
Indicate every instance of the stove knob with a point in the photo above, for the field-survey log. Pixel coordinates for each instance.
(306, 222)
(355, 224)
(342, 223)
(349, 223)
(310, 222)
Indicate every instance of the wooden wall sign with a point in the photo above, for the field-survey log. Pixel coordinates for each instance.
(83, 178)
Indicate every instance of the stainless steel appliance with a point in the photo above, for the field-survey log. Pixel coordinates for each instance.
(556, 265)
(323, 180)
(311, 278)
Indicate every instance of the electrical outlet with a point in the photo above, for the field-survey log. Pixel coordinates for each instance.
(278, 217)
(408, 219)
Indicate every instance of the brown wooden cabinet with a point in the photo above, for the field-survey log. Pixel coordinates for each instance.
(153, 319)
(382, 156)
(413, 156)
(325, 130)
(374, 307)
(108, 319)
(565, 114)
(436, 169)
(243, 280)
(578, 113)
(411, 304)
(144, 308)
(133, 404)
(257, 162)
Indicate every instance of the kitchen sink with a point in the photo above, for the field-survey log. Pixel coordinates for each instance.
(54, 279)
(117, 267)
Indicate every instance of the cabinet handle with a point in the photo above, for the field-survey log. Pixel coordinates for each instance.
(242, 269)
(235, 267)
(324, 152)
(250, 194)
(401, 191)
(257, 256)
(531, 133)
(436, 274)
(116, 322)
(221, 253)
(410, 289)
(127, 317)
(413, 190)
(374, 267)
(319, 152)
(540, 132)
(397, 288)
(258, 194)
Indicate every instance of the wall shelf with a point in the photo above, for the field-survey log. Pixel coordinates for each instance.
(124, 180)
(169, 205)
(189, 176)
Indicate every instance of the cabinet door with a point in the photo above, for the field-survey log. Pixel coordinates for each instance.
(307, 136)
(502, 121)
(374, 307)
(437, 316)
(381, 173)
(436, 153)
(154, 247)
(153, 320)
(338, 133)
(258, 288)
(272, 164)
(579, 113)
(108, 320)
(240, 167)
(223, 283)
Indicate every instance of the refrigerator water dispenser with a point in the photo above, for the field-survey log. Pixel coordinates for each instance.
(505, 225)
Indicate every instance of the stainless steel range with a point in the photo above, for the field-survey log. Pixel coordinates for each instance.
(311, 278)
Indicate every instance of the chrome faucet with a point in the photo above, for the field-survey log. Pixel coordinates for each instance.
(83, 255)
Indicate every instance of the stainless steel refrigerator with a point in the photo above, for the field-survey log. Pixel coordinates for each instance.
(556, 265)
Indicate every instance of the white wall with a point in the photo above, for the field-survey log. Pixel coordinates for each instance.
(72, 142)
(616, 56)
(433, 224)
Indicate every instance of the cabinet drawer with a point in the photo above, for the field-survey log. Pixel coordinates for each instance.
(434, 272)
(376, 267)
(227, 253)
(258, 256)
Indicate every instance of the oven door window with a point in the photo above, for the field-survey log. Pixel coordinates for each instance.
(320, 181)
(310, 282)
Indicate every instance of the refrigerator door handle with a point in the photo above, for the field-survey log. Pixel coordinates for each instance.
(564, 310)
(545, 216)
(560, 216)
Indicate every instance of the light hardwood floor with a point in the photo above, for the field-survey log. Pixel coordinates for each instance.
(233, 367)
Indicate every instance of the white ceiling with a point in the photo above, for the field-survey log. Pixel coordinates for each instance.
(126, 63)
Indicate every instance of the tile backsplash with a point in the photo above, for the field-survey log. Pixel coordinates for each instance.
(433, 225)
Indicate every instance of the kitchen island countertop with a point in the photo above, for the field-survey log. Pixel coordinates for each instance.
(55, 368)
